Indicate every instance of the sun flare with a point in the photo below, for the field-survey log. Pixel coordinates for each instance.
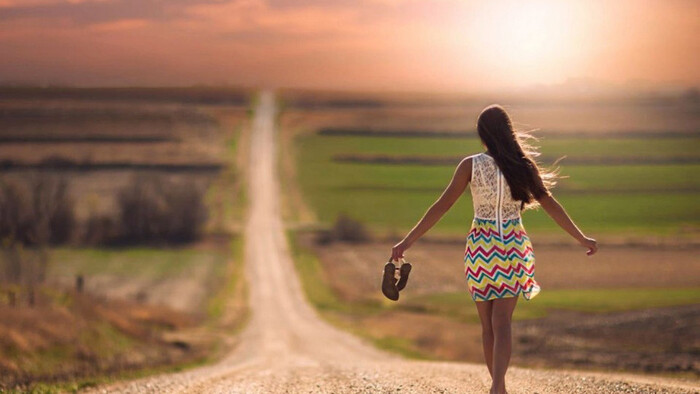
(531, 37)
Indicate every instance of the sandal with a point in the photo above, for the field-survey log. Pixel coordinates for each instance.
(389, 288)
(403, 271)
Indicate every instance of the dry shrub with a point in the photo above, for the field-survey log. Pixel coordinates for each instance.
(23, 271)
(37, 210)
(34, 212)
(100, 229)
(154, 209)
(345, 229)
(349, 229)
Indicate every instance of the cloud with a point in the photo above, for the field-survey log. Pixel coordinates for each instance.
(120, 25)
(87, 12)
(246, 18)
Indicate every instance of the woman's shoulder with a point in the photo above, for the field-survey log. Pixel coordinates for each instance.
(475, 155)
(469, 160)
(467, 163)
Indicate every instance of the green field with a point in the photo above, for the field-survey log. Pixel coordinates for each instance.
(633, 199)
(552, 146)
(146, 263)
(458, 305)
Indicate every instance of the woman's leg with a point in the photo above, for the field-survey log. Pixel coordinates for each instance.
(484, 308)
(500, 320)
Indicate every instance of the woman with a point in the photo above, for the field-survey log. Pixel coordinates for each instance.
(499, 260)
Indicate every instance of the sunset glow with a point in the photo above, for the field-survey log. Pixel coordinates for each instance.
(524, 35)
(452, 45)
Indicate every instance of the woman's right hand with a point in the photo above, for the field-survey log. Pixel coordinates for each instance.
(398, 250)
(591, 244)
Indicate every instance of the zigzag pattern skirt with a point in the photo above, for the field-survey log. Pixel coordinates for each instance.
(499, 266)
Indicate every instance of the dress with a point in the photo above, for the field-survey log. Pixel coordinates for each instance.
(499, 261)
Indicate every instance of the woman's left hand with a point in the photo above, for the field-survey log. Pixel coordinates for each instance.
(398, 250)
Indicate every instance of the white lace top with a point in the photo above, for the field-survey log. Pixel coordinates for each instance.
(490, 191)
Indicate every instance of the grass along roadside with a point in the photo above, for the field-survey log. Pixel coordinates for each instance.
(293, 205)
(226, 196)
(458, 305)
(316, 285)
(228, 308)
(339, 313)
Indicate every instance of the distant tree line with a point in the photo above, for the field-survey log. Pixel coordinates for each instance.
(151, 209)
(38, 211)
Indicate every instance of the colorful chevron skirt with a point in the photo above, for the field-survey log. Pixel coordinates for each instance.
(499, 264)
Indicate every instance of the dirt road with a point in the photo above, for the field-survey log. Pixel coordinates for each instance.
(287, 348)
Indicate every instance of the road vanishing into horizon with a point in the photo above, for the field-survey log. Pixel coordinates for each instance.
(287, 348)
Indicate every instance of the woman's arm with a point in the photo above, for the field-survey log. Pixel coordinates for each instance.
(557, 212)
(459, 182)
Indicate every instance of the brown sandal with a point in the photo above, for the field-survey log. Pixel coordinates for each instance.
(403, 271)
(389, 288)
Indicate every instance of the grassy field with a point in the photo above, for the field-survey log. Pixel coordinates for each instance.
(550, 145)
(135, 262)
(181, 279)
(453, 305)
(639, 199)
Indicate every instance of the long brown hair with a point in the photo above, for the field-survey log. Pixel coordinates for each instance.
(514, 156)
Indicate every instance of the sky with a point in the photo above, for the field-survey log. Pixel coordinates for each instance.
(428, 45)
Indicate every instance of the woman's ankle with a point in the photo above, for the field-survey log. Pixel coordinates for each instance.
(498, 388)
